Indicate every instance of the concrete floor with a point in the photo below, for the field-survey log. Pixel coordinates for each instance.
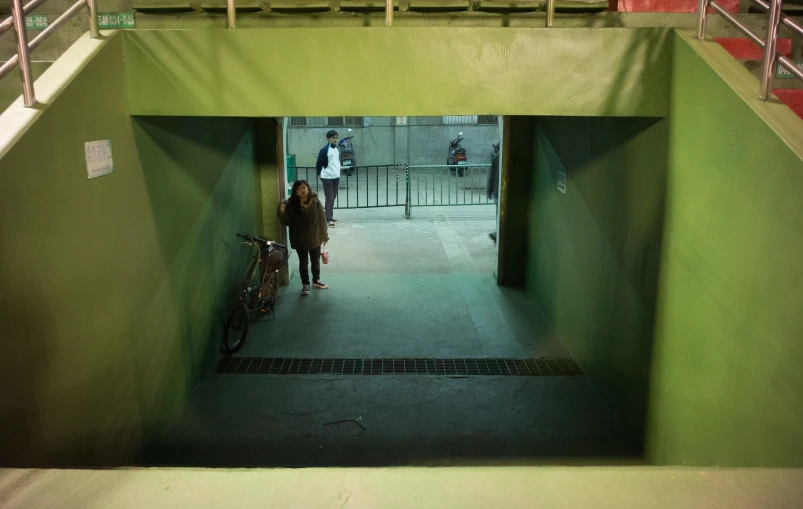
(399, 288)
(406, 288)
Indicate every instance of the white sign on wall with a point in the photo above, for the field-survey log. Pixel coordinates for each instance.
(562, 178)
(98, 158)
(401, 120)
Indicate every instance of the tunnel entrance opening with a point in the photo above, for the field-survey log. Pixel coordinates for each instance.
(418, 353)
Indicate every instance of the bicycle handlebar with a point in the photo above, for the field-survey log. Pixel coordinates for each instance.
(251, 238)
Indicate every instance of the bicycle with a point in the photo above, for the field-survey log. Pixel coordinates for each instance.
(258, 293)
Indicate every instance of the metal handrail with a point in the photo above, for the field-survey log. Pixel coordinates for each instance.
(352, 192)
(786, 20)
(769, 44)
(231, 13)
(8, 22)
(22, 58)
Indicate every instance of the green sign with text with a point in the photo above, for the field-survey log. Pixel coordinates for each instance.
(36, 22)
(783, 73)
(108, 20)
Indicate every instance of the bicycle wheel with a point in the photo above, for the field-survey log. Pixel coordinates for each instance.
(236, 328)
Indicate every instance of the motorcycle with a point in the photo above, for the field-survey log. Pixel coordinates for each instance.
(457, 156)
(347, 158)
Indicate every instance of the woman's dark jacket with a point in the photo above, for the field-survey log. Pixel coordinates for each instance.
(307, 224)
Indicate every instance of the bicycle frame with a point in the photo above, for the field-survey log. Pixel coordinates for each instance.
(269, 272)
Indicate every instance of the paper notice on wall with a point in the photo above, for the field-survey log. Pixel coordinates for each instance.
(562, 178)
(98, 158)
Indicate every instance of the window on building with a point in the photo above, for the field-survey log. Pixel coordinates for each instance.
(460, 120)
(317, 121)
(325, 121)
(469, 120)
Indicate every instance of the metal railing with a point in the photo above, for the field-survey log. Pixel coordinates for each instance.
(361, 187)
(22, 58)
(389, 185)
(445, 185)
(231, 13)
(769, 45)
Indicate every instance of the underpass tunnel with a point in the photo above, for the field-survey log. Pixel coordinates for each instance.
(643, 274)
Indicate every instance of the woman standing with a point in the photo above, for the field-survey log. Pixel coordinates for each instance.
(303, 214)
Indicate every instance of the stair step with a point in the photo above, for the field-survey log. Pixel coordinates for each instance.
(298, 6)
(671, 5)
(742, 48)
(792, 98)
(365, 5)
(506, 6)
(439, 5)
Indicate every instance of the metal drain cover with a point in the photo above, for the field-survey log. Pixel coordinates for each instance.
(465, 367)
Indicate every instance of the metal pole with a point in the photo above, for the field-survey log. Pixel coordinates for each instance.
(388, 13)
(786, 20)
(22, 52)
(8, 22)
(231, 13)
(52, 27)
(408, 194)
(550, 13)
(738, 24)
(94, 32)
(768, 65)
(702, 17)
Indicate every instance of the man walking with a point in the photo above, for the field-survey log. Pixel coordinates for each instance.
(328, 168)
(493, 182)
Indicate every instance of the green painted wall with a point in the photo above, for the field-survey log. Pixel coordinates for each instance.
(727, 372)
(670, 266)
(399, 71)
(113, 290)
(517, 176)
(269, 155)
(594, 251)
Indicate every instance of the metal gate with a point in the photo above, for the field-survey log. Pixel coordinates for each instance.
(400, 185)
(383, 185)
(443, 185)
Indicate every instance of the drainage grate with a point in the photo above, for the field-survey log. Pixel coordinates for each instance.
(477, 367)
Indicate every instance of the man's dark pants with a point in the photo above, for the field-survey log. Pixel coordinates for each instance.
(330, 187)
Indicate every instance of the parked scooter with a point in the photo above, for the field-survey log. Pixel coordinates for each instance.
(457, 156)
(347, 158)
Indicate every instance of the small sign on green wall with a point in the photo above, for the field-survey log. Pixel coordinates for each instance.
(783, 73)
(562, 181)
(110, 20)
(36, 22)
(98, 158)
